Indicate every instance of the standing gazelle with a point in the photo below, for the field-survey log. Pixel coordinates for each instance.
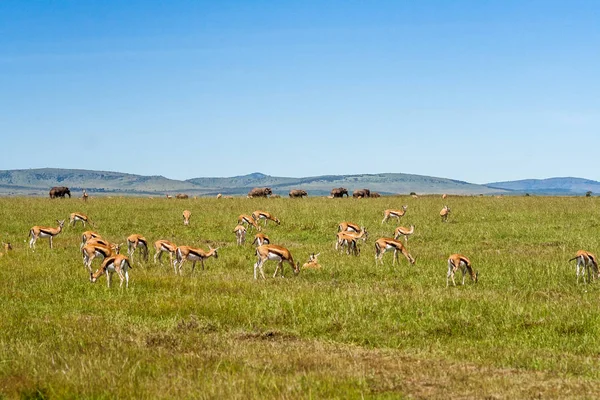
(258, 215)
(77, 216)
(384, 244)
(444, 213)
(164, 246)
(350, 240)
(117, 263)
(44, 232)
(187, 253)
(240, 234)
(402, 231)
(585, 261)
(456, 262)
(387, 214)
(277, 253)
(186, 217)
(133, 242)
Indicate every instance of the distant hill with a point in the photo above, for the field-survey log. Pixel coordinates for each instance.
(567, 186)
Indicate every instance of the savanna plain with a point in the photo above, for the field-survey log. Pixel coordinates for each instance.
(351, 329)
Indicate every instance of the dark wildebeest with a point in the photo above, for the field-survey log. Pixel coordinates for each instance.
(375, 194)
(260, 192)
(298, 193)
(181, 196)
(59, 191)
(360, 193)
(339, 192)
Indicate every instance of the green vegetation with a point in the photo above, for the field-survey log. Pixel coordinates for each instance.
(349, 330)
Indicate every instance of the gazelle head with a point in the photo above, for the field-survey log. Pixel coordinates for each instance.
(61, 223)
(7, 246)
(296, 268)
(116, 247)
(277, 220)
(212, 252)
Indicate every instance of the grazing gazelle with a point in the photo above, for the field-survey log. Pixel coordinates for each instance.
(248, 219)
(165, 246)
(260, 239)
(187, 253)
(348, 226)
(384, 244)
(88, 235)
(240, 234)
(186, 217)
(313, 262)
(444, 213)
(350, 240)
(387, 214)
(101, 248)
(117, 263)
(44, 232)
(76, 216)
(458, 261)
(258, 215)
(585, 261)
(402, 231)
(277, 253)
(133, 242)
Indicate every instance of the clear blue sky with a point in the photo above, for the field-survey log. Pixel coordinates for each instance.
(476, 90)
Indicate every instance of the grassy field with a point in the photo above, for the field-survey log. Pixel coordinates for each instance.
(349, 330)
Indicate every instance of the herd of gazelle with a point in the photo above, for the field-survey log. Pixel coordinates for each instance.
(348, 236)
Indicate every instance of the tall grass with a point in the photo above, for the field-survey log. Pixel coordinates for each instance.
(336, 332)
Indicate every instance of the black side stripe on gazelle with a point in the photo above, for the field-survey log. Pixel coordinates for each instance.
(45, 231)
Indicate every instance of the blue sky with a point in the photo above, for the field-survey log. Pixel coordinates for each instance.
(479, 91)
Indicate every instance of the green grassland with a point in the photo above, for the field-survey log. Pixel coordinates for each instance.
(349, 330)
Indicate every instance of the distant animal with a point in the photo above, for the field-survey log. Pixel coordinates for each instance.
(339, 192)
(81, 217)
(456, 262)
(169, 197)
(260, 239)
(265, 216)
(414, 196)
(219, 196)
(84, 196)
(384, 244)
(387, 214)
(44, 232)
(117, 263)
(276, 253)
(444, 196)
(186, 217)
(59, 191)
(375, 194)
(240, 234)
(164, 246)
(361, 193)
(313, 262)
(181, 196)
(187, 253)
(444, 213)
(402, 231)
(585, 262)
(260, 192)
(295, 193)
(134, 242)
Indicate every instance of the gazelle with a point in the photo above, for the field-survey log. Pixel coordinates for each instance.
(260, 239)
(387, 214)
(248, 219)
(258, 215)
(348, 226)
(402, 231)
(350, 240)
(187, 253)
(7, 247)
(133, 242)
(313, 262)
(74, 217)
(164, 246)
(585, 261)
(240, 234)
(277, 253)
(384, 244)
(44, 232)
(458, 261)
(186, 217)
(102, 249)
(84, 196)
(88, 235)
(444, 213)
(119, 264)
